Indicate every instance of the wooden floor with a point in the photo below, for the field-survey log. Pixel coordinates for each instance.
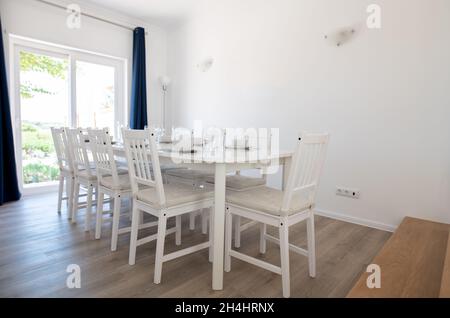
(445, 286)
(37, 245)
(411, 262)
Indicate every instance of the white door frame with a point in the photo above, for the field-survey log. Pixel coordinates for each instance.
(17, 44)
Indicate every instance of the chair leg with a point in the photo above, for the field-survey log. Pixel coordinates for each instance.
(116, 220)
(70, 188)
(192, 221)
(178, 230)
(99, 221)
(134, 235)
(60, 192)
(111, 205)
(162, 228)
(131, 210)
(87, 223)
(237, 231)
(205, 221)
(76, 194)
(262, 238)
(311, 245)
(67, 191)
(211, 234)
(284, 251)
(228, 239)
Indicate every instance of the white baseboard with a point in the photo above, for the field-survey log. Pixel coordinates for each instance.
(40, 189)
(355, 220)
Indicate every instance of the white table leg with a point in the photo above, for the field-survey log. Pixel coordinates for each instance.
(219, 226)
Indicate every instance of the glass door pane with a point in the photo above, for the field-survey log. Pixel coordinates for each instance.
(95, 95)
(44, 103)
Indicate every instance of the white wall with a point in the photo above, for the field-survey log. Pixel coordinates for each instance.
(42, 22)
(384, 96)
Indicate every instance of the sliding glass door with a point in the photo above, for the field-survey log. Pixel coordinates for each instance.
(61, 88)
(44, 103)
(95, 95)
(99, 96)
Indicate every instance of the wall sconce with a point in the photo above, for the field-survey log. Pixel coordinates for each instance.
(340, 37)
(206, 64)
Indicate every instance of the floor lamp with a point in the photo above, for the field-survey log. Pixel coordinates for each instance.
(165, 83)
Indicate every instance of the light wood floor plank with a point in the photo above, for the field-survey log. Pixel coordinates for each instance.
(38, 245)
(411, 262)
(445, 286)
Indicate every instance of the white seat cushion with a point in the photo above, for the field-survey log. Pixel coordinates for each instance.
(84, 174)
(124, 182)
(240, 183)
(66, 171)
(176, 194)
(266, 200)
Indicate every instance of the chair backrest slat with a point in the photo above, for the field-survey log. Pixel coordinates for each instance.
(103, 154)
(306, 169)
(143, 161)
(78, 140)
(63, 154)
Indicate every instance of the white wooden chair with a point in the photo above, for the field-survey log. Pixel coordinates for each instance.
(193, 177)
(282, 209)
(159, 200)
(85, 175)
(166, 167)
(239, 183)
(66, 170)
(112, 182)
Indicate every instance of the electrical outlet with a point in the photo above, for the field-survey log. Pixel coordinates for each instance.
(350, 193)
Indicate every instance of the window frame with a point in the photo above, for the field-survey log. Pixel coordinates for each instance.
(18, 44)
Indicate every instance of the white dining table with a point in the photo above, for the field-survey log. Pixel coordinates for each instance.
(220, 162)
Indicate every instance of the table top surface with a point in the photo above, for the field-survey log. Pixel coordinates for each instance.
(211, 155)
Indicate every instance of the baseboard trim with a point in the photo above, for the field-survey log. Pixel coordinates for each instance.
(41, 189)
(355, 220)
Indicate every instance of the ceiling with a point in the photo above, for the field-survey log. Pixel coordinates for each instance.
(164, 12)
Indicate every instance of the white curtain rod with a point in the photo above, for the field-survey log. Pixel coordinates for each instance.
(89, 15)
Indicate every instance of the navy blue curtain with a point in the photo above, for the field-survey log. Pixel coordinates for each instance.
(138, 114)
(9, 187)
